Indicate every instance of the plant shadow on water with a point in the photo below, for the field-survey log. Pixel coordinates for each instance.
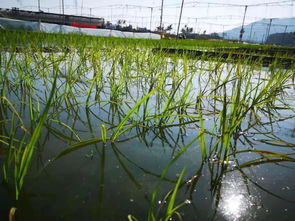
(120, 133)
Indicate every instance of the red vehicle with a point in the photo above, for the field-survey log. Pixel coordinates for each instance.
(74, 24)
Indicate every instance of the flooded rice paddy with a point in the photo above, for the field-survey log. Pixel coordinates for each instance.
(132, 134)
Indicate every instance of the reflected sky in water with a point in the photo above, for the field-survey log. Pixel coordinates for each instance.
(236, 201)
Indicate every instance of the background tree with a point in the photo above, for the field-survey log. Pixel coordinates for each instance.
(168, 28)
(186, 30)
(163, 29)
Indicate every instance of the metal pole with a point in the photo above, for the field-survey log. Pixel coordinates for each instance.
(267, 30)
(161, 17)
(270, 21)
(242, 29)
(90, 12)
(250, 32)
(63, 7)
(195, 32)
(284, 33)
(180, 18)
(196, 26)
(151, 18)
(39, 7)
(63, 11)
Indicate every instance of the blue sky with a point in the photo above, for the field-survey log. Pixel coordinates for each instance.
(199, 14)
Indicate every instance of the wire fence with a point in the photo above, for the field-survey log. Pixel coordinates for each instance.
(200, 16)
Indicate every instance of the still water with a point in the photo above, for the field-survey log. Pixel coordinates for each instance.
(113, 180)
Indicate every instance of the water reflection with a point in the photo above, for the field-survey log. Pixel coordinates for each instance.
(129, 172)
(236, 201)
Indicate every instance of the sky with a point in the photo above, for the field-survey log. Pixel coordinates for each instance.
(201, 15)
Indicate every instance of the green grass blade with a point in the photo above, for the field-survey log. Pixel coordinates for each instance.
(27, 155)
(118, 131)
(170, 209)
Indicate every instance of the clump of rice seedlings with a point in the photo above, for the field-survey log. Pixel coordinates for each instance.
(22, 155)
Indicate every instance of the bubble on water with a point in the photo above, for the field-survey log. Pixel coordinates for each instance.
(159, 201)
(285, 210)
(187, 201)
(131, 200)
(242, 133)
